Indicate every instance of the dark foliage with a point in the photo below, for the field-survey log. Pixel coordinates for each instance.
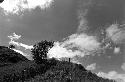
(40, 50)
(11, 46)
(9, 56)
(51, 70)
(67, 72)
(24, 70)
(18, 72)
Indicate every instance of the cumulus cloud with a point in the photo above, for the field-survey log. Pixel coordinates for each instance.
(91, 66)
(116, 34)
(58, 51)
(17, 6)
(83, 44)
(82, 41)
(112, 75)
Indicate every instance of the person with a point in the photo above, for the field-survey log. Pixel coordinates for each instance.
(69, 59)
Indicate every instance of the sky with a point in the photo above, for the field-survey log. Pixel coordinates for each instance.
(91, 32)
(50, 24)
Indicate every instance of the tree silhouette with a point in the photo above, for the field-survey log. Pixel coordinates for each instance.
(11, 46)
(40, 50)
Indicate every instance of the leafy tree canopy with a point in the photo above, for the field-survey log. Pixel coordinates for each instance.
(40, 50)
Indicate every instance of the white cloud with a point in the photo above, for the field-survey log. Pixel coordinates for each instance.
(91, 66)
(84, 44)
(123, 66)
(82, 21)
(82, 12)
(58, 51)
(26, 46)
(82, 41)
(116, 50)
(16, 37)
(75, 60)
(112, 75)
(19, 52)
(116, 34)
(19, 45)
(24, 54)
(112, 30)
(17, 6)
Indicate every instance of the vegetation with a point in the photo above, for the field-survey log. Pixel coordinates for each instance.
(68, 72)
(11, 46)
(40, 50)
(9, 56)
(49, 70)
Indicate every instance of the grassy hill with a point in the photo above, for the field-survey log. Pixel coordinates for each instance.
(9, 56)
(50, 70)
(67, 72)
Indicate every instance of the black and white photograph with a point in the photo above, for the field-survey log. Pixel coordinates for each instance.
(62, 40)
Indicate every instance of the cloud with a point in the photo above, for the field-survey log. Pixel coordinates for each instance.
(20, 52)
(82, 13)
(112, 75)
(24, 54)
(83, 44)
(74, 45)
(17, 6)
(116, 34)
(58, 51)
(82, 41)
(15, 36)
(18, 44)
(123, 66)
(116, 50)
(91, 66)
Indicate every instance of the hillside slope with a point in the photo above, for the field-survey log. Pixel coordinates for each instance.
(16, 68)
(9, 56)
(63, 71)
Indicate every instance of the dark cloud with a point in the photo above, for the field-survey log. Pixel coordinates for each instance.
(104, 12)
(55, 23)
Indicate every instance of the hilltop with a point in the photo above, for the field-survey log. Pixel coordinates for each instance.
(9, 56)
(19, 69)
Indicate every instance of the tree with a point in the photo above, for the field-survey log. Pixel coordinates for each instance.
(40, 50)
